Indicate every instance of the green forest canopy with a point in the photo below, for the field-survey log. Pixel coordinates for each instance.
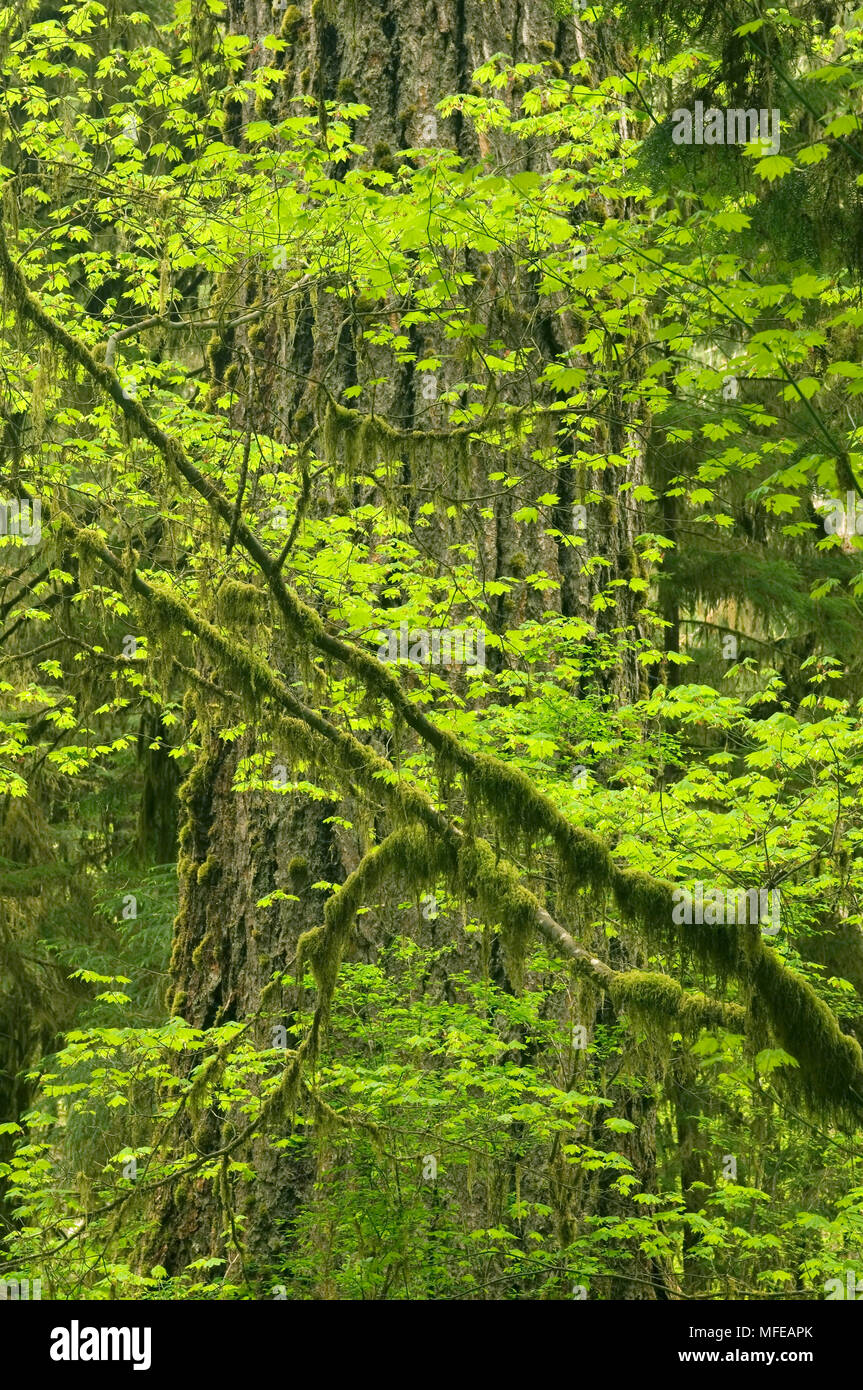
(334, 966)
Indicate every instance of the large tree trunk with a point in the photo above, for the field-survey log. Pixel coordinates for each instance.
(399, 58)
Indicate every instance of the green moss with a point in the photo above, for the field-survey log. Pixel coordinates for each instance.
(520, 812)
(383, 157)
(283, 1104)
(501, 897)
(503, 790)
(659, 1001)
(240, 605)
(291, 21)
(653, 1000)
(217, 356)
(208, 870)
(698, 1010)
(830, 1076)
(323, 947)
(205, 1077)
(649, 903)
(608, 511)
(299, 872)
(646, 900)
(360, 441)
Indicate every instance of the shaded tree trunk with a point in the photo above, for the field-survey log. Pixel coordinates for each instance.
(399, 58)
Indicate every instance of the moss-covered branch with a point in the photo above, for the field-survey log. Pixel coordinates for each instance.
(468, 862)
(832, 1061)
(474, 873)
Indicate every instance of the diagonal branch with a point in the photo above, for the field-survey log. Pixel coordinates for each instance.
(831, 1061)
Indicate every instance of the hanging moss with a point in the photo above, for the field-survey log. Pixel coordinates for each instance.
(217, 354)
(239, 604)
(361, 441)
(521, 812)
(653, 1002)
(656, 1000)
(323, 947)
(649, 902)
(500, 895)
(830, 1076)
(510, 798)
(283, 1105)
(206, 1076)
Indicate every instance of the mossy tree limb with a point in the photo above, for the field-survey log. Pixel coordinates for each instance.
(517, 807)
(474, 873)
